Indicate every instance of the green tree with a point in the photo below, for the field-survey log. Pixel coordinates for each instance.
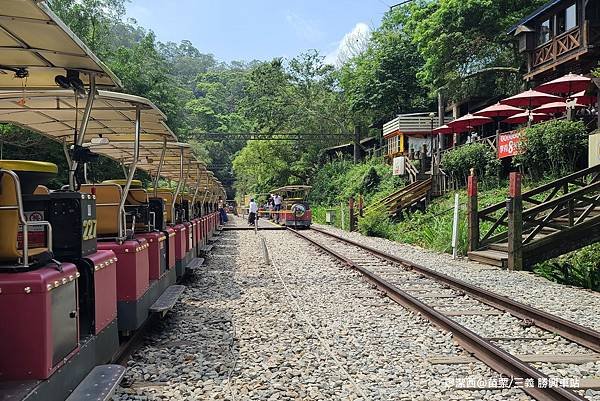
(262, 165)
(458, 38)
(267, 102)
(91, 20)
(382, 80)
(145, 73)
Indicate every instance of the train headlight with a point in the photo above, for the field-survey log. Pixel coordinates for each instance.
(298, 210)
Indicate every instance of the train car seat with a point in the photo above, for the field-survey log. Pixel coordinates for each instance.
(9, 221)
(137, 196)
(108, 197)
(167, 196)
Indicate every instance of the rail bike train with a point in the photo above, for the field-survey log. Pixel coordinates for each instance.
(85, 266)
(295, 209)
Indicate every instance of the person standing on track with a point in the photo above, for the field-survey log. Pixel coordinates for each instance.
(277, 205)
(252, 210)
(270, 206)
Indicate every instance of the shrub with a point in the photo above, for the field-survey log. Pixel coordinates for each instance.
(376, 224)
(581, 268)
(458, 162)
(554, 147)
(337, 180)
(370, 181)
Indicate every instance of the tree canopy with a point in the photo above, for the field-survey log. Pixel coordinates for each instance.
(420, 47)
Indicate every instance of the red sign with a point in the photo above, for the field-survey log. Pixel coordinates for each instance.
(36, 235)
(508, 144)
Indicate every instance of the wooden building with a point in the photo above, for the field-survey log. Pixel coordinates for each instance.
(407, 133)
(560, 37)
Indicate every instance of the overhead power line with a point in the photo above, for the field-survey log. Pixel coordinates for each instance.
(249, 136)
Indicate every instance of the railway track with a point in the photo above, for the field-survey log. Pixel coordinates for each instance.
(460, 308)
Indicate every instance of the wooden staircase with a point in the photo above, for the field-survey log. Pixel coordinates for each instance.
(404, 198)
(556, 218)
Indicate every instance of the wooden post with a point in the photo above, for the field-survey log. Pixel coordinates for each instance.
(514, 207)
(423, 158)
(361, 205)
(472, 210)
(352, 217)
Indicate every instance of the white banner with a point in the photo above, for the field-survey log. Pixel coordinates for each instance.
(399, 166)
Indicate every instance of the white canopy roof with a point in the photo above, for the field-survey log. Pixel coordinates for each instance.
(57, 113)
(33, 38)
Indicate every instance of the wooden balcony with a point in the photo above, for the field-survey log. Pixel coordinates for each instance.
(564, 47)
(557, 47)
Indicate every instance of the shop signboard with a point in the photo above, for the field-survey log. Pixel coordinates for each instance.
(509, 144)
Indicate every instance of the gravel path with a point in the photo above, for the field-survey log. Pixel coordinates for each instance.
(239, 334)
(575, 304)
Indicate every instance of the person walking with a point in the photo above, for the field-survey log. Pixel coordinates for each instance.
(270, 206)
(222, 212)
(277, 205)
(252, 210)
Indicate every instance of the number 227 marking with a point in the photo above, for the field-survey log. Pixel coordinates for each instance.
(89, 229)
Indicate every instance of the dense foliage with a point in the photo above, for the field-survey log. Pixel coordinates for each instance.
(478, 156)
(381, 80)
(458, 39)
(580, 268)
(338, 180)
(553, 148)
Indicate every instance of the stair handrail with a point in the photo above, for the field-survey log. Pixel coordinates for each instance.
(409, 197)
(385, 202)
(543, 188)
(550, 202)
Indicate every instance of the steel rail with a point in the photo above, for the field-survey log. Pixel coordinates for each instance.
(579, 334)
(493, 356)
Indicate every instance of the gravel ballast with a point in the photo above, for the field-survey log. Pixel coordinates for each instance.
(578, 305)
(238, 333)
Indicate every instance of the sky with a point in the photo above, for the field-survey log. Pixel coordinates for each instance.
(260, 29)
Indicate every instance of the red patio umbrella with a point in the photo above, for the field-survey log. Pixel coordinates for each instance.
(522, 118)
(444, 129)
(499, 110)
(530, 98)
(467, 121)
(554, 107)
(585, 100)
(567, 84)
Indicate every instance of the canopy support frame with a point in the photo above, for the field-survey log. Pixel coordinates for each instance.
(178, 185)
(161, 163)
(82, 130)
(193, 204)
(132, 168)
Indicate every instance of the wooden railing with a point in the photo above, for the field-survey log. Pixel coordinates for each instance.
(572, 197)
(558, 46)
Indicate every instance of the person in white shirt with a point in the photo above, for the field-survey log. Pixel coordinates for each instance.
(277, 205)
(253, 209)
